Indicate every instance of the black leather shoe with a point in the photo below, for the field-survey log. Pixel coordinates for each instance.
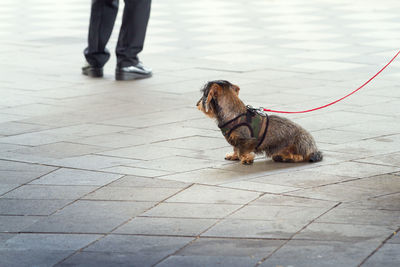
(137, 71)
(91, 71)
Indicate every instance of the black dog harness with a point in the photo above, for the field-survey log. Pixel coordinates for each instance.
(254, 119)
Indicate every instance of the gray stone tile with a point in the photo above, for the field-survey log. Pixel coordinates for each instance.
(279, 200)
(143, 152)
(175, 164)
(387, 183)
(302, 178)
(136, 181)
(16, 223)
(237, 228)
(388, 255)
(210, 194)
(279, 213)
(18, 258)
(20, 173)
(90, 217)
(60, 150)
(29, 207)
(147, 249)
(127, 170)
(355, 169)
(91, 162)
(68, 242)
(49, 192)
(192, 210)
(260, 187)
(76, 177)
(207, 176)
(361, 216)
(132, 193)
(165, 226)
(344, 232)
(198, 261)
(321, 253)
(230, 248)
(338, 192)
(388, 159)
(110, 259)
(4, 188)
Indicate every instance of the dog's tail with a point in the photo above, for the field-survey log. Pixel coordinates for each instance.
(315, 156)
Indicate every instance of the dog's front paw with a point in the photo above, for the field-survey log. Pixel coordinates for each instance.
(231, 156)
(247, 159)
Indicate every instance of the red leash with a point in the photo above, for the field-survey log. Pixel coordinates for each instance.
(334, 102)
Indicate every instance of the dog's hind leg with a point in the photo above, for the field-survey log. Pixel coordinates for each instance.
(288, 155)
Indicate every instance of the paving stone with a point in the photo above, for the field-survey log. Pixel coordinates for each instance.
(338, 192)
(20, 173)
(76, 177)
(17, 258)
(132, 193)
(389, 159)
(291, 201)
(218, 195)
(387, 183)
(147, 249)
(387, 255)
(191, 210)
(29, 207)
(303, 178)
(60, 150)
(236, 228)
(16, 223)
(49, 192)
(41, 249)
(206, 260)
(4, 188)
(90, 217)
(344, 232)
(260, 187)
(279, 213)
(127, 170)
(355, 169)
(90, 162)
(165, 226)
(144, 152)
(321, 253)
(361, 216)
(102, 259)
(135, 181)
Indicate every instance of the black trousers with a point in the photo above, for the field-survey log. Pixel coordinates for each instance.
(131, 35)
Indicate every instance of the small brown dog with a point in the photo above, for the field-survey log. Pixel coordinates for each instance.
(251, 131)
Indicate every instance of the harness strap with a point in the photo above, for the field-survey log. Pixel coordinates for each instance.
(253, 119)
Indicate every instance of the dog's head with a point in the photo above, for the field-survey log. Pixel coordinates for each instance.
(218, 95)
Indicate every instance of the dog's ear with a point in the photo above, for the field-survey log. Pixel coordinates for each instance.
(215, 90)
(236, 89)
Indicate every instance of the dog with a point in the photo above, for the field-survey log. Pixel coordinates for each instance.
(251, 131)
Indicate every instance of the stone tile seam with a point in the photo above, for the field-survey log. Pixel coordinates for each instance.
(292, 236)
(208, 228)
(380, 246)
(30, 180)
(115, 228)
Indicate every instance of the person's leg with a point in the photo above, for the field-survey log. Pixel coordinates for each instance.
(132, 32)
(102, 18)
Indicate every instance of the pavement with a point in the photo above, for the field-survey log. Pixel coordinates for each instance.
(95, 172)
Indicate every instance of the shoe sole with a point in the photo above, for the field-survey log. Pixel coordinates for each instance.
(126, 76)
(94, 73)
